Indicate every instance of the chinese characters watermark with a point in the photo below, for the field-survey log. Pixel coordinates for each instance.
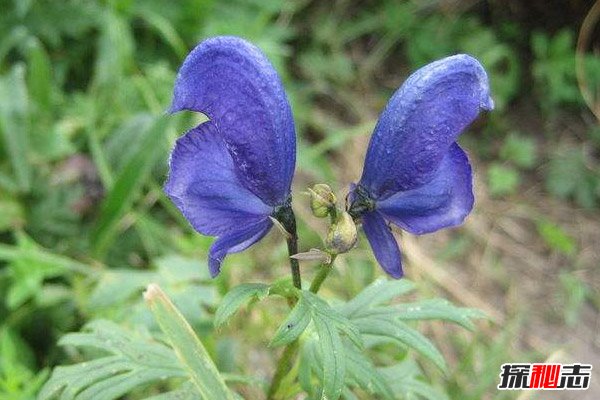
(545, 376)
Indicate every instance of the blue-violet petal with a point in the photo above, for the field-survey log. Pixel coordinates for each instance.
(232, 82)
(443, 202)
(421, 121)
(234, 242)
(383, 243)
(205, 187)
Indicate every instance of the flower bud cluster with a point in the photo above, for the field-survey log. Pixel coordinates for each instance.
(342, 233)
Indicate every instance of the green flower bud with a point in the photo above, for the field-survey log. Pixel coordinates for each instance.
(342, 235)
(322, 200)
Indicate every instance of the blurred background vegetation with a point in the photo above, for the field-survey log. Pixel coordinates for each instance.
(84, 225)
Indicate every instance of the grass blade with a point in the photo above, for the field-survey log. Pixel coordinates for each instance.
(127, 186)
(14, 124)
(187, 346)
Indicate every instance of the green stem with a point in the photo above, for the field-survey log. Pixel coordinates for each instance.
(285, 364)
(292, 244)
(286, 361)
(322, 275)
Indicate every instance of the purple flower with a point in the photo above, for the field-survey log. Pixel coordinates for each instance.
(230, 174)
(415, 174)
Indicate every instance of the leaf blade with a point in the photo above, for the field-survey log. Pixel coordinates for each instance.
(333, 356)
(293, 326)
(236, 298)
(127, 186)
(380, 291)
(187, 346)
(402, 333)
(14, 124)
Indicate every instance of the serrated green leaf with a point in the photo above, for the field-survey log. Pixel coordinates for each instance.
(127, 186)
(307, 360)
(186, 392)
(116, 386)
(378, 292)
(236, 298)
(328, 323)
(294, 325)
(320, 307)
(131, 361)
(70, 380)
(402, 333)
(110, 337)
(405, 379)
(364, 374)
(432, 309)
(188, 348)
(333, 357)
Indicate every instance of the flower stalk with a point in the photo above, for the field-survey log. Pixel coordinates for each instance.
(288, 357)
(285, 216)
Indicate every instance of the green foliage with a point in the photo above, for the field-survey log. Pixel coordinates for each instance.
(294, 325)
(556, 238)
(18, 378)
(502, 179)
(189, 349)
(519, 154)
(363, 320)
(554, 68)
(84, 225)
(29, 269)
(573, 296)
(128, 361)
(520, 150)
(185, 280)
(14, 124)
(570, 176)
(237, 297)
(126, 186)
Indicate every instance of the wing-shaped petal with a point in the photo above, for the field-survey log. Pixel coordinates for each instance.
(205, 187)
(420, 122)
(443, 202)
(233, 83)
(383, 243)
(234, 242)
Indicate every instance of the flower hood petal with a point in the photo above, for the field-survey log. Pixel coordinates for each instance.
(421, 121)
(232, 82)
